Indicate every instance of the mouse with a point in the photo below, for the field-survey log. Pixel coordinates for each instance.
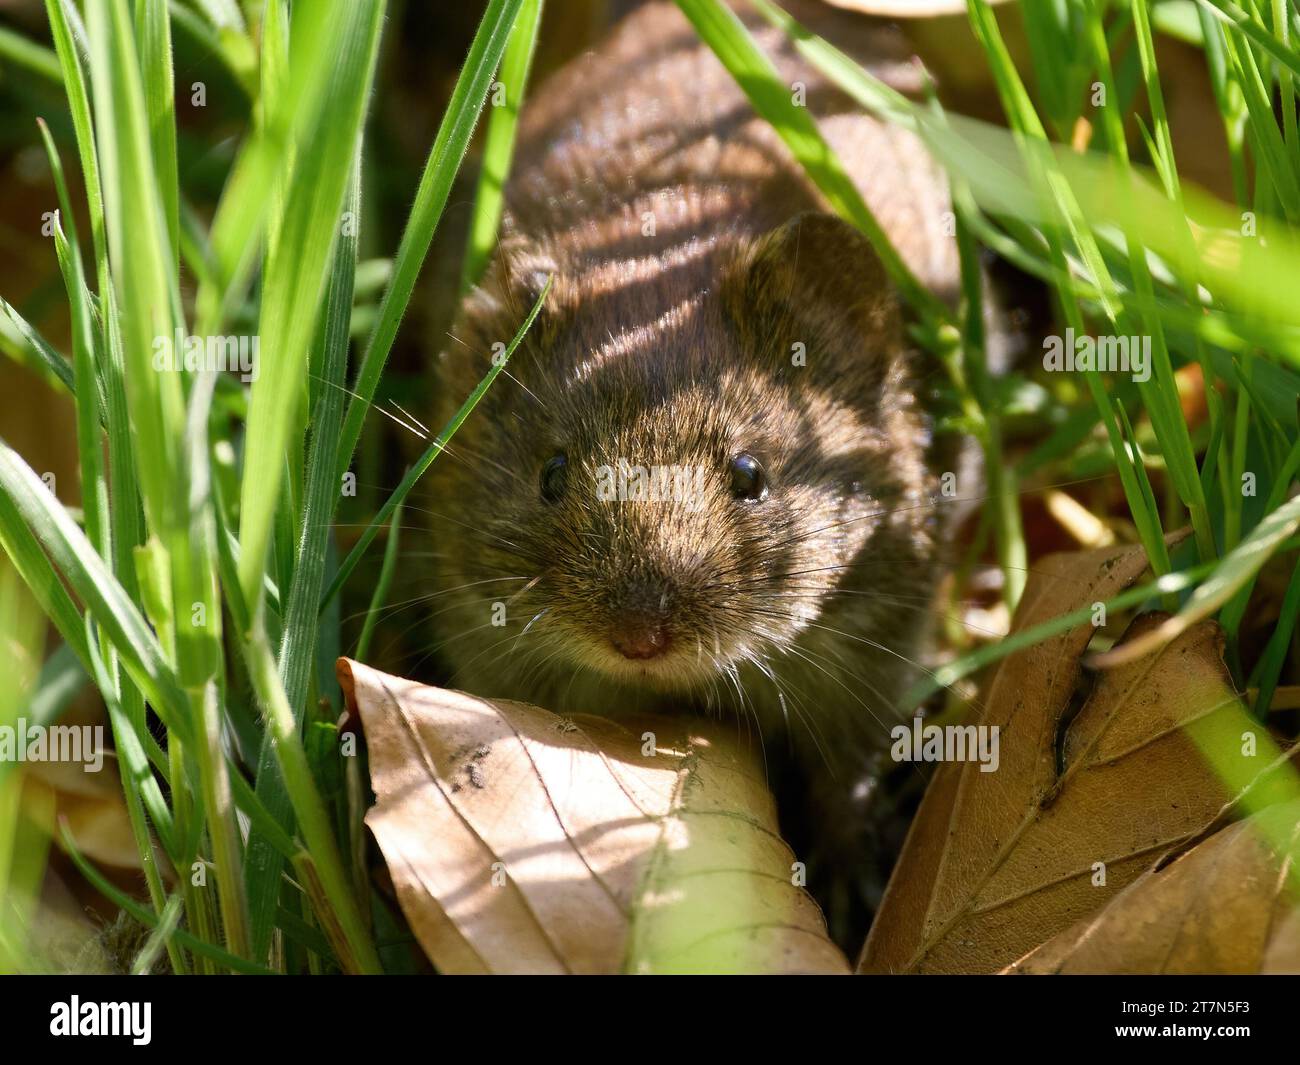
(705, 480)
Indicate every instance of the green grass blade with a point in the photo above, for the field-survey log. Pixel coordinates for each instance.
(342, 919)
(199, 654)
(154, 40)
(1270, 150)
(1269, 669)
(94, 489)
(1237, 568)
(26, 54)
(1235, 17)
(104, 597)
(949, 673)
(880, 99)
(430, 453)
(125, 513)
(74, 84)
(260, 819)
(141, 792)
(39, 352)
(138, 247)
(244, 204)
(720, 28)
(430, 198)
(160, 938)
(24, 552)
(382, 585)
(295, 281)
(149, 919)
(499, 144)
(134, 760)
(982, 410)
(298, 642)
(1160, 390)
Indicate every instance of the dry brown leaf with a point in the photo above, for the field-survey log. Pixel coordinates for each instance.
(1229, 905)
(523, 842)
(91, 804)
(997, 863)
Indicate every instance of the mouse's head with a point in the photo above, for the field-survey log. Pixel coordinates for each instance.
(683, 468)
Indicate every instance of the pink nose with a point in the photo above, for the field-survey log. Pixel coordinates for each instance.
(641, 641)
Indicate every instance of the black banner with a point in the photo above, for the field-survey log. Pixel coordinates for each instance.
(462, 1015)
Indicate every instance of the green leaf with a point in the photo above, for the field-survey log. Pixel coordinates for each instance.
(104, 597)
(499, 144)
(1237, 568)
(380, 595)
(154, 40)
(298, 641)
(149, 919)
(61, 17)
(27, 54)
(39, 351)
(147, 296)
(295, 279)
(430, 453)
(444, 160)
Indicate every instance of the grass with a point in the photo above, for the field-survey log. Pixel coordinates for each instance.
(182, 595)
(199, 578)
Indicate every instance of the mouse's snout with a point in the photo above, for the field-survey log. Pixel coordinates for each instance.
(640, 637)
(638, 587)
(640, 620)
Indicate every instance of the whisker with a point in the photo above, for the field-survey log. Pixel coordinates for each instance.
(371, 405)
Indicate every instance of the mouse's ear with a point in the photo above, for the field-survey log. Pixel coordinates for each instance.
(813, 292)
(515, 278)
(530, 271)
(489, 316)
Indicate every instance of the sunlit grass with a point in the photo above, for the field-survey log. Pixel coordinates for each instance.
(185, 595)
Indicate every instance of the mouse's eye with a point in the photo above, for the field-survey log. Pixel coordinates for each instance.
(748, 481)
(554, 475)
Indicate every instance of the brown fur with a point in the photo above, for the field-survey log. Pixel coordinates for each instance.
(675, 348)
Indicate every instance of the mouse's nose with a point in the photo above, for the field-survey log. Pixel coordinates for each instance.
(641, 638)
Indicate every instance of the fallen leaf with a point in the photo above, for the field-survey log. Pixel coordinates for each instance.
(1236, 571)
(92, 804)
(997, 863)
(523, 842)
(1227, 906)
